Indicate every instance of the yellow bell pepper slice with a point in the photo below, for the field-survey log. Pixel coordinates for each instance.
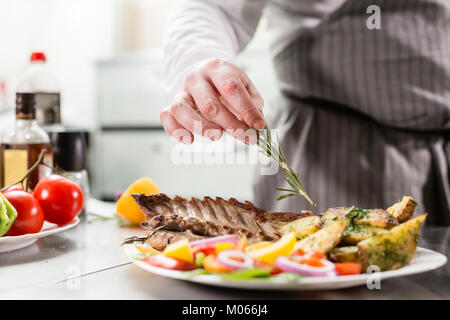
(257, 245)
(147, 249)
(282, 247)
(223, 246)
(179, 250)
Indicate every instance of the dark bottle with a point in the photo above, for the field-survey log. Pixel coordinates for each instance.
(22, 145)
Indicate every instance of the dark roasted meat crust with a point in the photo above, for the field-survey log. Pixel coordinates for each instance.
(177, 223)
(213, 217)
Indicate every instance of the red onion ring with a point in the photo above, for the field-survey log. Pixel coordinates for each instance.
(288, 265)
(228, 238)
(225, 258)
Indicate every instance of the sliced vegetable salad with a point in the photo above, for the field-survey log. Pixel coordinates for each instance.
(235, 259)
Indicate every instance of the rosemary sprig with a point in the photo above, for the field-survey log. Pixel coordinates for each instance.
(272, 149)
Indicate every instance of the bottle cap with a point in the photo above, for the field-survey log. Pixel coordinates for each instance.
(37, 56)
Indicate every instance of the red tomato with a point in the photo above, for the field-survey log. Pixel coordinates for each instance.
(275, 270)
(298, 252)
(207, 249)
(262, 265)
(61, 199)
(30, 216)
(347, 268)
(211, 264)
(313, 262)
(317, 255)
(161, 261)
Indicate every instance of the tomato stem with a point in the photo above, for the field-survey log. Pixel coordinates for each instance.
(34, 166)
(56, 169)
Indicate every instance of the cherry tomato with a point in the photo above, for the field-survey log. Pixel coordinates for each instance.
(207, 249)
(270, 267)
(211, 264)
(30, 216)
(162, 261)
(275, 270)
(313, 262)
(60, 198)
(317, 255)
(298, 252)
(347, 268)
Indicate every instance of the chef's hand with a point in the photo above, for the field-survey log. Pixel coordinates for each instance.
(216, 96)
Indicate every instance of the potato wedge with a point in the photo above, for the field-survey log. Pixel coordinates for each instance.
(344, 254)
(325, 239)
(357, 233)
(392, 249)
(404, 209)
(377, 218)
(331, 215)
(303, 227)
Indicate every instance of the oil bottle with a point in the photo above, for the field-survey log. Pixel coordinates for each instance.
(21, 146)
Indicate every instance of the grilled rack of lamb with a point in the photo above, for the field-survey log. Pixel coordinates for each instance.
(196, 219)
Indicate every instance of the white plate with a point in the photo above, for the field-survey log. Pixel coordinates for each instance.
(12, 243)
(425, 260)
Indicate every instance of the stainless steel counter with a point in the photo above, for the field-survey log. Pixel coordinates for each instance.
(87, 262)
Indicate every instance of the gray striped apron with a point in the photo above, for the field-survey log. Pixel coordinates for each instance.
(364, 115)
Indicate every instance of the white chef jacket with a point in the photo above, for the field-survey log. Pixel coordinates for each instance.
(200, 30)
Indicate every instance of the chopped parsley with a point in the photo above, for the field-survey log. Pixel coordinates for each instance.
(354, 214)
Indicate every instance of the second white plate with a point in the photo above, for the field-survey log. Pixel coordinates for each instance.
(12, 243)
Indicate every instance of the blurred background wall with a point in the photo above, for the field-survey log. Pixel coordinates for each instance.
(74, 35)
